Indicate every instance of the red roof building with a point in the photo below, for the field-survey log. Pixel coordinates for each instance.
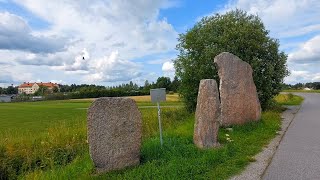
(31, 88)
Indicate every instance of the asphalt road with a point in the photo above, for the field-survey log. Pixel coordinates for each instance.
(298, 155)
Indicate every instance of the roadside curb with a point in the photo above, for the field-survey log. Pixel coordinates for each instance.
(257, 169)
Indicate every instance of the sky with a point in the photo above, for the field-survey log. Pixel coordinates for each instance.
(109, 42)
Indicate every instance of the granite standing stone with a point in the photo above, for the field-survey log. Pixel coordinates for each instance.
(207, 115)
(238, 94)
(114, 133)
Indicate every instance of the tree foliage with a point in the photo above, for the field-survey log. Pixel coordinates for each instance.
(236, 32)
(55, 89)
(163, 82)
(9, 90)
(175, 84)
(313, 85)
(43, 90)
(297, 86)
(126, 89)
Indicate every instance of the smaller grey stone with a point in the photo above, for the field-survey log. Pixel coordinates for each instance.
(207, 115)
(114, 133)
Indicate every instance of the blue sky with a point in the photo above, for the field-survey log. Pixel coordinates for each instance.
(135, 41)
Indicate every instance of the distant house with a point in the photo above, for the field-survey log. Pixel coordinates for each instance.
(31, 88)
(5, 98)
(308, 89)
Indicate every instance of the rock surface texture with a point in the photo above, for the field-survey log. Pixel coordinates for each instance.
(238, 94)
(207, 115)
(114, 133)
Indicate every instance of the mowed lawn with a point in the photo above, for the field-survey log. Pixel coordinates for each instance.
(47, 140)
(39, 116)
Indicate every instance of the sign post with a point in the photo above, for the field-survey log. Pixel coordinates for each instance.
(157, 96)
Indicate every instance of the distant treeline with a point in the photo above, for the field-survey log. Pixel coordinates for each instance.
(162, 82)
(311, 85)
(9, 90)
(93, 94)
(74, 91)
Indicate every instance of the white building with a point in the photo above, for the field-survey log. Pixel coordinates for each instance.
(31, 88)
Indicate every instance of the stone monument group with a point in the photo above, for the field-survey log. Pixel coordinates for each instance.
(115, 124)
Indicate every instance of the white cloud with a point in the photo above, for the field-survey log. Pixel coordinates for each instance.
(8, 76)
(302, 76)
(168, 69)
(308, 53)
(41, 59)
(168, 66)
(15, 34)
(130, 28)
(161, 60)
(104, 25)
(58, 81)
(80, 63)
(9, 56)
(289, 21)
(300, 31)
(111, 68)
(285, 18)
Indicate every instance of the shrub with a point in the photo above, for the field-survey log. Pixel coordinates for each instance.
(235, 32)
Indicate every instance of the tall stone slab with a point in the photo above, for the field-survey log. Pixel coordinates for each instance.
(238, 93)
(114, 133)
(207, 115)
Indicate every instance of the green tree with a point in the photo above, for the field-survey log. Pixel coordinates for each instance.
(43, 90)
(11, 90)
(298, 86)
(163, 82)
(236, 32)
(55, 89)
(147, 85)
(175, 84)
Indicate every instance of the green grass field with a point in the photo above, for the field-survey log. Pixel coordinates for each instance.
(289, 99)
(47, 140)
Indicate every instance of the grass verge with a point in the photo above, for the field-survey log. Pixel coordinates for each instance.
(61, 151)
(179, 158)
(289, 99)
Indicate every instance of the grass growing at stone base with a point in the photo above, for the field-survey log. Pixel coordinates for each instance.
(44, 135)
(47, 140)
(179, 158)
(289, 99)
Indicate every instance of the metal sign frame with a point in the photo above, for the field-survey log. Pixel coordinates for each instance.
(157, 96)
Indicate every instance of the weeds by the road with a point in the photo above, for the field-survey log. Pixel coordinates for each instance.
(59, 150)
(289, 99)
(48, 143)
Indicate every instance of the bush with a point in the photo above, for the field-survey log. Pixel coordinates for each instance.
(105, 93)
(171, 92)
(240, 34)
(57, 147)
(57, 96)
